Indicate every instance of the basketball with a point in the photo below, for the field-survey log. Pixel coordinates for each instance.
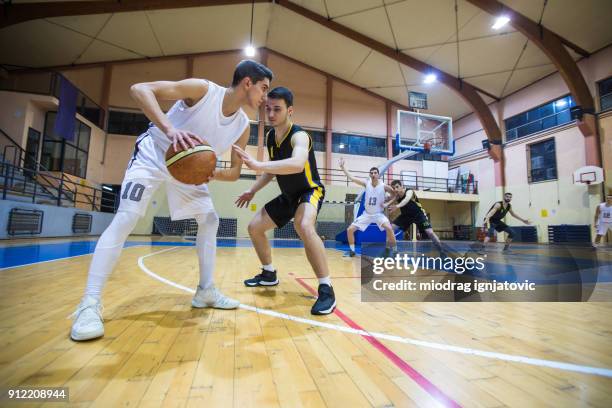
(192, 166)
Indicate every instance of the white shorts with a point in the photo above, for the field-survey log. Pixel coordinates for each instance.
(146, 172)
(603, 227)
(364, 220)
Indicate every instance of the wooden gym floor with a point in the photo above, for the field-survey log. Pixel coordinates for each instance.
(158, 351)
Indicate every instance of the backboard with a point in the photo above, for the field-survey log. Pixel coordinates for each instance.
(420, 132)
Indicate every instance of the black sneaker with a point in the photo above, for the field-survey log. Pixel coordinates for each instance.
(326, 301)
(349, 254)
(265, 278)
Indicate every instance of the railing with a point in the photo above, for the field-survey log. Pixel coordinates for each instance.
(52, 190)
(21, 175)
(48, 83)
(538, 125)
(421, 183)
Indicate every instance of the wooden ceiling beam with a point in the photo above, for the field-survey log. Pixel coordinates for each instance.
(14, 13)
(468, 92)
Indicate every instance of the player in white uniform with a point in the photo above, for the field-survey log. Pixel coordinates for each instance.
(603, 219)
(206, 113)
(375, 205)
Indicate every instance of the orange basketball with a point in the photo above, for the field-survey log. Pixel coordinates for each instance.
(191, 166)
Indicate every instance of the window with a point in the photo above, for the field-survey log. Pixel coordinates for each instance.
(543, 117)
(541, 161)
(359, 145)
(253, 133)
(318, 139)
(62, 155)
(605, 94)
(127, 123)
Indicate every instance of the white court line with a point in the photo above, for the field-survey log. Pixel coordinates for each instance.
(604, 372)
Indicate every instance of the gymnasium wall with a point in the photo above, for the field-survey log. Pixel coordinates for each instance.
(549, 202)
(57, 221)
(443, 214)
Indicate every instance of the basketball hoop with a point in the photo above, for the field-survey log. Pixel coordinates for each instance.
(427, 147)
(588, 175)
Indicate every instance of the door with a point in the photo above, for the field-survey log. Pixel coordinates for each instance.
(32, 148)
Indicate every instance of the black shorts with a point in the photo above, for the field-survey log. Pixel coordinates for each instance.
(282, 209)
(499, 226)
(418, 218)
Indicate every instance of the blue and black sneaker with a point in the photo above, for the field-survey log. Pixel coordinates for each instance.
(326, 301)
(265, 278)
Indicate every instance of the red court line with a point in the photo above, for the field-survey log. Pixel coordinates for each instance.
(417, 377)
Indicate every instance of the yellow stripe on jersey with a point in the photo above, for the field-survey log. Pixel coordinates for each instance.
(315, 197)
(308, 173)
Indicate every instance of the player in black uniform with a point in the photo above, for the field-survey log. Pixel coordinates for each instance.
(493, 220)
(292, 161)
(412, 212)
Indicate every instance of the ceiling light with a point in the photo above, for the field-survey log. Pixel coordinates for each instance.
(561, 103)
(430, 78)
(500, 22)
(249, 51)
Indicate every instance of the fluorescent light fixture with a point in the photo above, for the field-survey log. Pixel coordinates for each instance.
(107, 188)
(249, 51)
(341, 145)
(430, 78)
(561, 103)
(500, 22)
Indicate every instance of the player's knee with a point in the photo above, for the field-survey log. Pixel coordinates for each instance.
(117, 232)
(304, 229)
(252, 227)
(208, 220)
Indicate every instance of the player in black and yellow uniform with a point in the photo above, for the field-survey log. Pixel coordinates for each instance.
(292, 162)
(493, 221)
(412, 212)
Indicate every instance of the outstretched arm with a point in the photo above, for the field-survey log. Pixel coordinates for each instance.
(292, 165)
(405, 201)
(245, 198)
(526, 221)
(148, 94)
(233, 173)
(350, 176)
(596, 215)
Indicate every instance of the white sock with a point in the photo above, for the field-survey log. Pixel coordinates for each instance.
(107, 252)
(269, 268)
(206, 247)
(352, 246)
(325, 281)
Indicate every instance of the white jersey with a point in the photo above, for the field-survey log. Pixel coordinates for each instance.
(206, 120)
(147, 167)
(605, 214)
(374, 197)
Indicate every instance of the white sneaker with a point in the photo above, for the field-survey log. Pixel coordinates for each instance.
(88, 320)
(211, 297)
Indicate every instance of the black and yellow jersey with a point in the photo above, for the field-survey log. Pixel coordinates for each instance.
(412, 207)
(501, 212)
(281, 149)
